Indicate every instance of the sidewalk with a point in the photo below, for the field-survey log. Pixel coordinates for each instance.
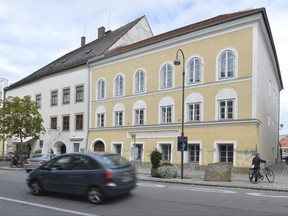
(196, 177)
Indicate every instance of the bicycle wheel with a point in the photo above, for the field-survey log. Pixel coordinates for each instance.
(270, 175)
(253, 177)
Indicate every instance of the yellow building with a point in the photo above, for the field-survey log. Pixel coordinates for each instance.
(231, 97)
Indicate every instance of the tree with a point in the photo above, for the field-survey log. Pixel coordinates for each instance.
(20, 118)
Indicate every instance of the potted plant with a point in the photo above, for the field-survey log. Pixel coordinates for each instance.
(155, 158)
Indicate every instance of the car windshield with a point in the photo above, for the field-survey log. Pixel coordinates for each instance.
(115, 161)
(44, 156)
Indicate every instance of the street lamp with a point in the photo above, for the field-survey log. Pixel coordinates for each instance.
(176, 63)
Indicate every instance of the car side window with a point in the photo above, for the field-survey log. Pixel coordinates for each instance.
(63, 163)
(84, 163)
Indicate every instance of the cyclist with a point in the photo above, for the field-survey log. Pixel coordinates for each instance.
(256, 162)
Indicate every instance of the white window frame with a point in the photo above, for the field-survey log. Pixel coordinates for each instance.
(139, 81)
(119, 85)
(100, 111)
(166, 102)
(217, 150)
(118, 112)
(226, 109)
(224, 95)
(194, 98)
(170, 155)
(219, 64)
(166, 76)
(192, 73)
(101, 89)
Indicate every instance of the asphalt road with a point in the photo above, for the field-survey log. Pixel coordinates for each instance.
(147, 199)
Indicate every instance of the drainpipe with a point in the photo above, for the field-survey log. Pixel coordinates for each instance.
(89, 103)
(4, 98)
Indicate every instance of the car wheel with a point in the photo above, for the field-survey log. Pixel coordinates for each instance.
(94, 195)
(28, 170)
(36, 188)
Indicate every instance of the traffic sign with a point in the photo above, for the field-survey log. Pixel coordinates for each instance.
(182, 143)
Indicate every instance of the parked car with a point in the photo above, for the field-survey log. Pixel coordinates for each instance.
(285, 154)
(96, 176)
(36, 160)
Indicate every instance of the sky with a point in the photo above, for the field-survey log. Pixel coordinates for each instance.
(33, 33)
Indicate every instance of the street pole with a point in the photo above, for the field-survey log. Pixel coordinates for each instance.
(178, 62)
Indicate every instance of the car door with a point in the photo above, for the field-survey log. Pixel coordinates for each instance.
(55, 177)
(83, 171)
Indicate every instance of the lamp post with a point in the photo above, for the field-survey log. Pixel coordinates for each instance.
(176, 63)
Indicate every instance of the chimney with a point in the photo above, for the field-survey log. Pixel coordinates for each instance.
(101, 32)
(83, 41)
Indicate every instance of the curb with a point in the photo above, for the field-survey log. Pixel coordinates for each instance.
(185, 182)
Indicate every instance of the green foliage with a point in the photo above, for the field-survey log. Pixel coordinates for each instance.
(38, 151)
(167, 170)
(20, 118)
(155, 158)
(167, 164)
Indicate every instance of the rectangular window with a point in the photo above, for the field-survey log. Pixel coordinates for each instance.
(66, 95)
(119, 118)
(54, 98)
(79, 93)
(100, 119)
(66, 121)
(139, 117)
(76, 147)
(79, 122)
(53, 123)
(166, 152)
(226, 152)
(194, 112)
(38, 100)
(140, 151)
(193, 151)
(117, 148)
(166, 114)
(226, 109)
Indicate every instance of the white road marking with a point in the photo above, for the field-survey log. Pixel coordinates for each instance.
(265, 195)
(150, 185)
(208, 190)
(46, 206)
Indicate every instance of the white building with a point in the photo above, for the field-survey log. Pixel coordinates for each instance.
(61, 89)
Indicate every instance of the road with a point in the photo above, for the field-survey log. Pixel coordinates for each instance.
(147, 199)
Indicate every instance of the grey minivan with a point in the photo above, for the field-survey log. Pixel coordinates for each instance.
(96, 176)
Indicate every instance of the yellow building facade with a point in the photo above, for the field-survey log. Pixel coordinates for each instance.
(138, 92)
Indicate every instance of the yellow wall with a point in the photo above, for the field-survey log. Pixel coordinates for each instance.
(243, 135)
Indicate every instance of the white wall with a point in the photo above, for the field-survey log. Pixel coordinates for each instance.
(44, 86)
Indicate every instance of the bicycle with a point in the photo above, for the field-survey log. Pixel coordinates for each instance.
(255, 175)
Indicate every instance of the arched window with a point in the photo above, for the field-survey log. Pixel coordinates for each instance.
(118, 86)
(139, 81)
(101, 89)
(139, 110)
(194, 104)
(166, 110)
(166, 76)
(99, 146)
(118, 115)
(226, 104)
(226, 64)
(194, 68)
(100, 116)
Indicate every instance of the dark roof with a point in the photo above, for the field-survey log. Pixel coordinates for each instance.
(198, 26)
(80, 56)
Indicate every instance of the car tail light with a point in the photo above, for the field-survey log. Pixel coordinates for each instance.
(42, 161)
(25, 162)
(109, 179)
